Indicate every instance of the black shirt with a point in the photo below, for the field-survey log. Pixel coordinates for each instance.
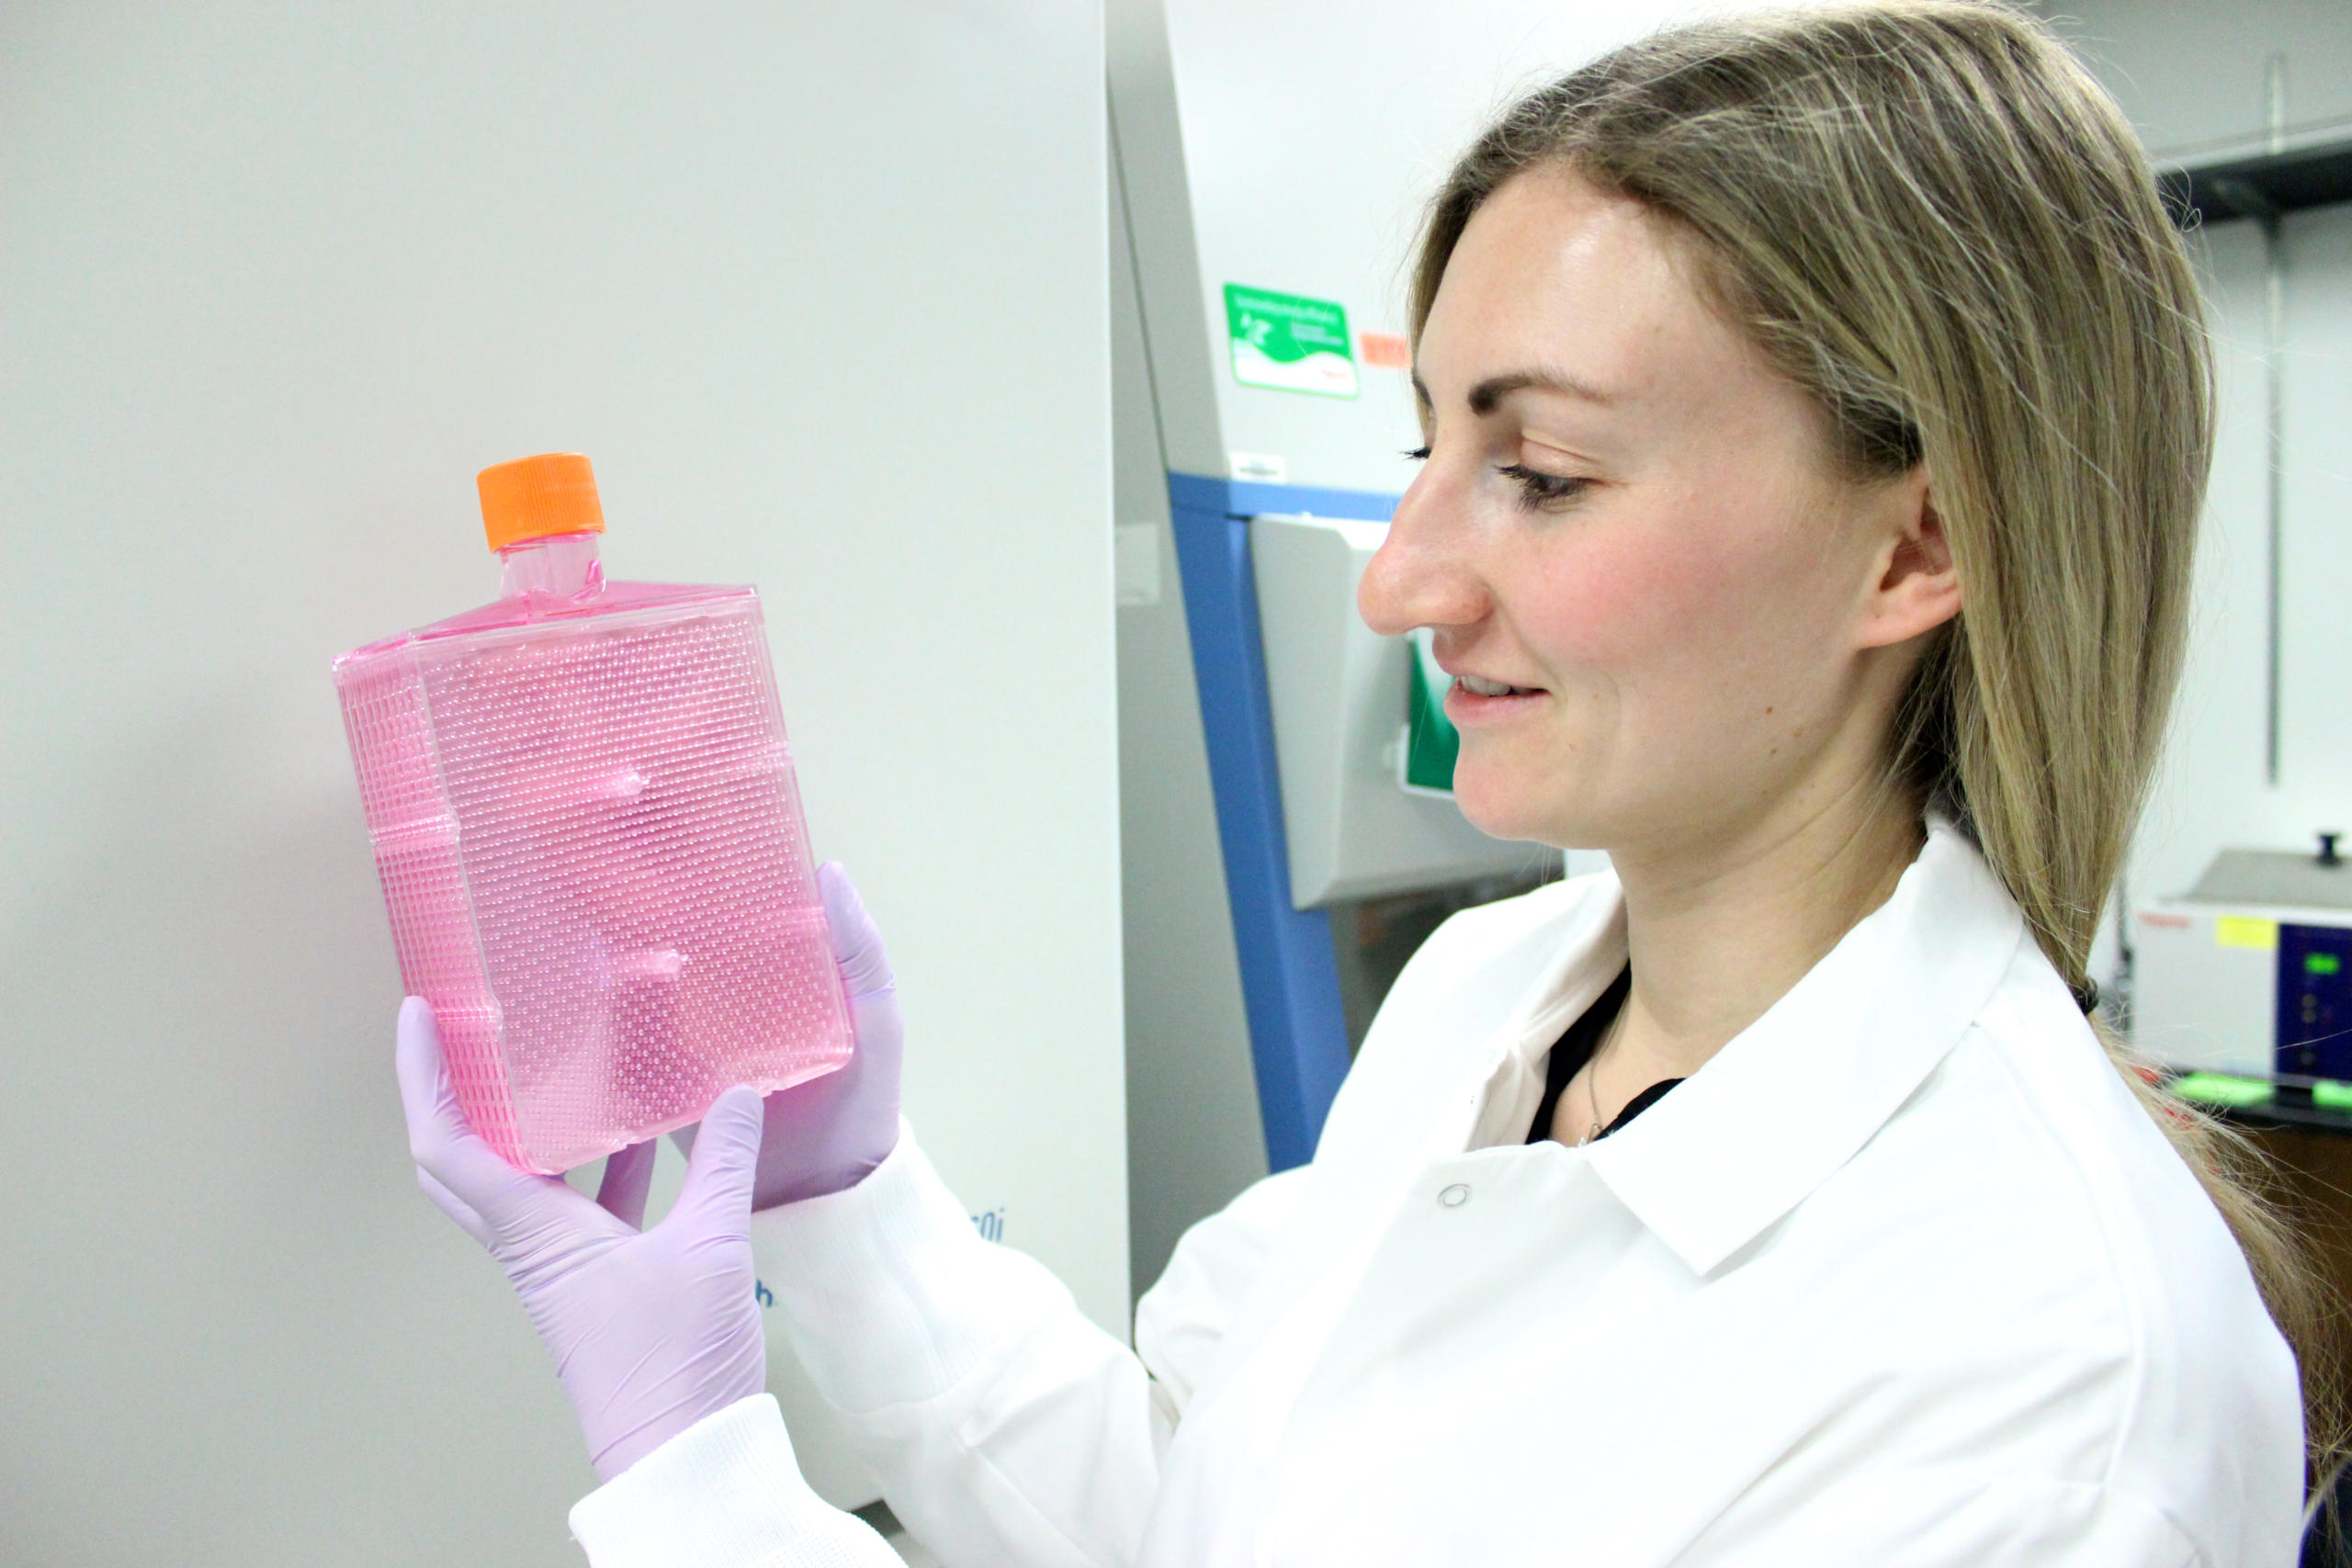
(1574, 1049)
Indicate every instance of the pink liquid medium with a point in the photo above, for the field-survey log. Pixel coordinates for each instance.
(590, 838)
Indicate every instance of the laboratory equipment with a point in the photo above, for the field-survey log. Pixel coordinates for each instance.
(590, 838)
(2249, 973)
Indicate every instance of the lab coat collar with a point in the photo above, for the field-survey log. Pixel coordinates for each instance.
(1741, 1141)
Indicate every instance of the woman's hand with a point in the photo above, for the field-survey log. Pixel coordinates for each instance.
(651, 1330)
(824, 1135)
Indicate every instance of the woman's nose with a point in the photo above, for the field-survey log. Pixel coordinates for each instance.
(1421, 575)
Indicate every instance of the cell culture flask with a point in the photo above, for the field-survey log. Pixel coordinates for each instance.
(590, 838)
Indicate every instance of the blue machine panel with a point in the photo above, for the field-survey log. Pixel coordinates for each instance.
(1290, 981)
(2315, 1002)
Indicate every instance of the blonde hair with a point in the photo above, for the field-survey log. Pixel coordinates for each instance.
(1927, 216)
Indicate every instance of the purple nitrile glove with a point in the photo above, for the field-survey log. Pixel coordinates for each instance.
(651, 1330)
(824, 1135)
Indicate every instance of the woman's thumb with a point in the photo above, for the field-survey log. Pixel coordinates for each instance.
(857, 947)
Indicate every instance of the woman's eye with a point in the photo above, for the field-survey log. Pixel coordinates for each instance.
(1419, 455)
(1540, 489)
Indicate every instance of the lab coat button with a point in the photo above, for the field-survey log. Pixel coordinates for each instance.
(1454, 1196)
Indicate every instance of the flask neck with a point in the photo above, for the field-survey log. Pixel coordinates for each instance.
(559, 565)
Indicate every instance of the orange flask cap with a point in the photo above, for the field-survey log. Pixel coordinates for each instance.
(531, 498)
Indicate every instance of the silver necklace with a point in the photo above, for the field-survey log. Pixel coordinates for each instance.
(1593, 1083)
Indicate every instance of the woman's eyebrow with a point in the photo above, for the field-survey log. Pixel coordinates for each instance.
(1488, 394)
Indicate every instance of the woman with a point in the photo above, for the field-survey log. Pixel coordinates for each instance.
(1817, 417)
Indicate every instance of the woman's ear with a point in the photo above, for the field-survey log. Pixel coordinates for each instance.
(1917, 587)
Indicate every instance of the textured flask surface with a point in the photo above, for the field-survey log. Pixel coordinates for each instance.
(592, 850)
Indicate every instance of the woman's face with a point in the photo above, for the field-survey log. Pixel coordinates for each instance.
(1629, 520)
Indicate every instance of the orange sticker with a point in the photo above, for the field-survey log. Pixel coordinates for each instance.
(1386, 350)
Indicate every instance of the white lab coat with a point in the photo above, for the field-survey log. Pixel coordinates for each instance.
(1903, 1276)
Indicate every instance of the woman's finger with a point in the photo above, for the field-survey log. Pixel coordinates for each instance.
(450, 1203)
(720, 1172)
(628, 1176)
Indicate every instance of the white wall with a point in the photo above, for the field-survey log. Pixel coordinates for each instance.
(2193, 74)
(2192, 77)
(820, 290)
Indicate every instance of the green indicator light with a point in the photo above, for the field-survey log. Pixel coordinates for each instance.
(2321, 964)
(2220, 1089)
(2331, 1095)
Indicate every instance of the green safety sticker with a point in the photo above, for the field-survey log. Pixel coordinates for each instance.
(1432, 743)
(1290, 342)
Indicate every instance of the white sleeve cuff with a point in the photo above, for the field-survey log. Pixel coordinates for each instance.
(888, 1294)
(725, 1492)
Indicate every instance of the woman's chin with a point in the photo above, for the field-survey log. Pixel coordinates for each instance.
(1503, 809)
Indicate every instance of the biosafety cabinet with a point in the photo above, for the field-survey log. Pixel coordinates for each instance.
(1280, 763)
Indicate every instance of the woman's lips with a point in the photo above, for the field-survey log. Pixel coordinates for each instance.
(1466, 707)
